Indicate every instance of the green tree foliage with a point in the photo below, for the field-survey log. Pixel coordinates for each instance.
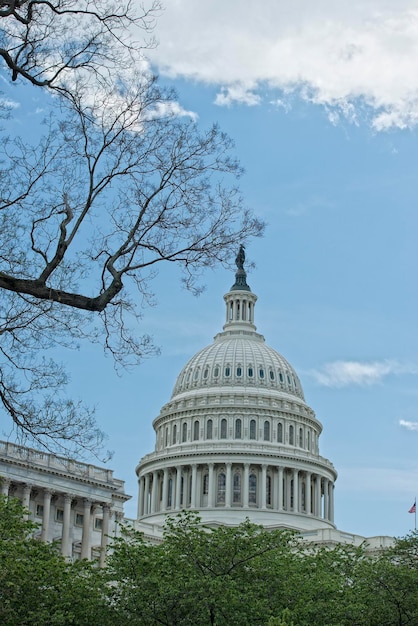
(37, 586)
(244, 576)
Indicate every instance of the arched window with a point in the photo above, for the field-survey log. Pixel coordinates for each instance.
(220, 498)
(280, 377)
(266, 430)
(250, 372)
(209, 429)
(252, 489)
(261, 372)
(237, 488)
(291, 436)
(184, 434)
(223, 428)
(271, 375)
(300, 438)
(252, 429)
(280, 432)
(205, 484)
(239, 371)
(238, 429)
(227, 371)
(196, 430)
(216, 371)
(206, 372)
(174, 435)
(268, 490)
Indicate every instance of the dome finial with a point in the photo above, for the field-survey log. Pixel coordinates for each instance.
(240, 274)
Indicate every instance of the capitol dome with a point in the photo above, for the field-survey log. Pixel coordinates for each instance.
(237, 440)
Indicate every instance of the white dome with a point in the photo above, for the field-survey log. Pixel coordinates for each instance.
(238, 358)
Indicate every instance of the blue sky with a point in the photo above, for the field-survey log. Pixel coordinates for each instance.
(322, 103)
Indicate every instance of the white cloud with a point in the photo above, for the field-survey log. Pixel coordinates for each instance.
(351, 57)
(408, 425)
(344, 373)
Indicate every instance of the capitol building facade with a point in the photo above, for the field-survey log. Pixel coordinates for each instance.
(236, 441)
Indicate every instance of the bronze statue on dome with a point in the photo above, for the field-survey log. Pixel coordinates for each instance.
(240, 259)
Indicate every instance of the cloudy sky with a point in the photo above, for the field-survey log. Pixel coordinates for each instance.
(321, 100)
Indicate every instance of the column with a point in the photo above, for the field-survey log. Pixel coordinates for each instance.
(26, 499)
(331, 502)
(178, 488)
(296, 490)
(288, 498)
(154, 491)
(263, 486)
(5, 485)
(105, 533)
(66, 526)
(308, 493)
(46, 515)
(146, 495)
(326, 498)
(228, 490)
(246, 484)
(85, 541)
(211, 486)
(318, 496)
(193, 487)
(280, 490)
(140, 497)
(165, 489)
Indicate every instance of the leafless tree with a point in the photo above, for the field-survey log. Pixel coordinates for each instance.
(118, 184)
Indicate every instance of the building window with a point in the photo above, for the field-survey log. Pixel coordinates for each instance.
(250, 372)
(239, 371)
(59, 515)
(261, 372)
(300, 438)
(205, 484)
(196, 430)
(271, 375)
(227, 371)
(268, 490)
(39, 510)
(237, 488)
(182, 491)
(266, 430)
(252, 489)
(98, 523)
(291, 436)
(280, 377)
(196, 374)
(209, 429)
(221, 488)
(280, 432)
(288, 379)
(309, 439)
(79, 518)
(223, 428)
(238, 429)
(216, 371)
(206, 372)
(166, 437)
(174, 437)
(252, 429)
(184, 437)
